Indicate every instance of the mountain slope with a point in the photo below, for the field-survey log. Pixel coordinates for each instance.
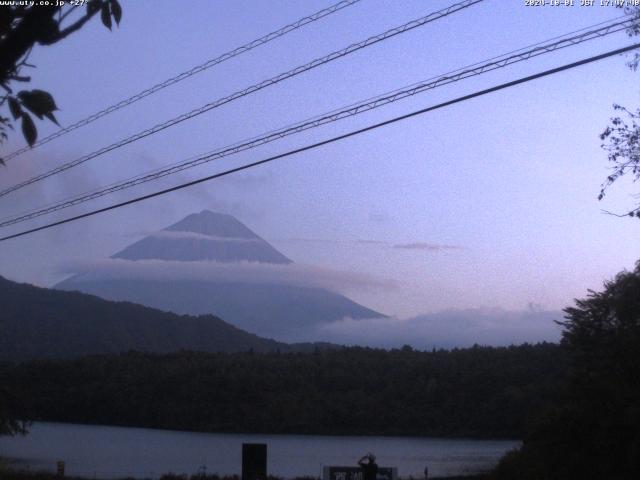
(261, 308)
(255, 305)
(204, 236)
(42, 323)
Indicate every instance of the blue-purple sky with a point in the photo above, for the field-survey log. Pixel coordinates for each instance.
(509, 179)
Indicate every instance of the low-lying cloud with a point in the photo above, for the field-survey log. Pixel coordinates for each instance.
(432, 247)
(446, 329)
(199, 236)
(243, 272)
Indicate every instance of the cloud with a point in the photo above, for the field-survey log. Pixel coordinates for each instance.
(198, 236)
(364, 241)
(308, 240)
(332, 241)
(238, 208)
(432, 247)
(446, 329)
(250, 272)
(249, 180)
(379, 218)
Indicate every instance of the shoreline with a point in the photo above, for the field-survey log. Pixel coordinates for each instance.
(13, 474)
(24, 464)
(11, 470)
(258, 433)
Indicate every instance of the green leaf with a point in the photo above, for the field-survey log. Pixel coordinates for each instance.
(116, 10)
(14, 107)
(105, 14)
(38, 102)
(29, 129)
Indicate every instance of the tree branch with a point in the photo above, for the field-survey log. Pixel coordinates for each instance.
(630, 213)
(66, 14)
(22, 38)
(73, 27)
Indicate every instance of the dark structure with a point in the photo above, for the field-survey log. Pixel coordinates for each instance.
(254, 461)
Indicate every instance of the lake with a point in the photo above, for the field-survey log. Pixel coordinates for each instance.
(111, 452)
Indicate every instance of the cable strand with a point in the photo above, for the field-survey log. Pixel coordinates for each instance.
(330, 140)
(249, 90)
(186, 74)
(336, 115)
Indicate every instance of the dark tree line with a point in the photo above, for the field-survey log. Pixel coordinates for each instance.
(9, 404)
(479, 392)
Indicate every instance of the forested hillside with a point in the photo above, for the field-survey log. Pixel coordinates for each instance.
(43, 323)
(480, 392)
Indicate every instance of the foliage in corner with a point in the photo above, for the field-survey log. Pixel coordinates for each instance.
(593, 432)
(21, 28)
(621, 139)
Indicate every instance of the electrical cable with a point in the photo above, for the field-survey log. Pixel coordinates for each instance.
(186, 74)
(328, 141)
(335, 115)
(249, 90)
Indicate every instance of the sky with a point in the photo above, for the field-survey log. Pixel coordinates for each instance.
(489, 205)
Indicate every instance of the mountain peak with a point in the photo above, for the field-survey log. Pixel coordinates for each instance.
(207, 236)
(213, 224)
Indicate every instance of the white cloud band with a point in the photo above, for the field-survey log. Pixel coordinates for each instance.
(242, 272)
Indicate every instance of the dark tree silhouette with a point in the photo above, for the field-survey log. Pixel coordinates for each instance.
(593, 432)
(621, 139)
(21, 28)
(9, 406)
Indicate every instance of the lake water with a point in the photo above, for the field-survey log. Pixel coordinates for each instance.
(112, 452)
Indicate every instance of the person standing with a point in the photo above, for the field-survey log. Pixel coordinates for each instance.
(369, 468)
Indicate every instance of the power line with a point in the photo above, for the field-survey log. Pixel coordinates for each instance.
(353, 109)
(252, 89)
(188, 73)
(335, 115)
(330, 140)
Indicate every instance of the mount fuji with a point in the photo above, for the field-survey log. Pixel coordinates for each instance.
(211, 263)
